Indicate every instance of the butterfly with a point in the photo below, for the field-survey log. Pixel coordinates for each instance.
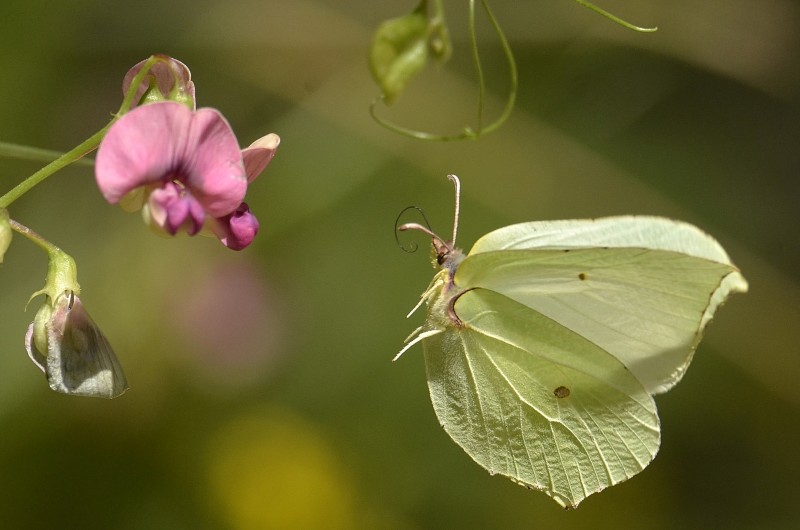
(545, 344)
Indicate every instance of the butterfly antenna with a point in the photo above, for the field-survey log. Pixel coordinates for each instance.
(457, 183)
(412, 226)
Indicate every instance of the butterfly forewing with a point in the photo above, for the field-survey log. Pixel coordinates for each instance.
(655, 233)
(641, 306)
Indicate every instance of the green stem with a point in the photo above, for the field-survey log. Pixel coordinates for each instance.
(476, 59)
(615, 18)
(82, 149)
(34, 237)
(512, 71)
(62, 273)
(135, 82)
(23, 152)
(61, 162)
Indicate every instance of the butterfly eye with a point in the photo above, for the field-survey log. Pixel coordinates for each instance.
(442, 251)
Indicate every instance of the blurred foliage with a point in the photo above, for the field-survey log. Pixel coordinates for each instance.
(262, 395)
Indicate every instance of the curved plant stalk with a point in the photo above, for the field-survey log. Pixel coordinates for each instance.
(512, 69)
(614, 18)
(35, 154)
(59, 163)
(468, 132)
(76, 153)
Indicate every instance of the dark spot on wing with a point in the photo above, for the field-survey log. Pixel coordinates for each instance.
(561, 392)
(582, 276)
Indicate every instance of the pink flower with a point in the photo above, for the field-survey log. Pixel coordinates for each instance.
(184, 168)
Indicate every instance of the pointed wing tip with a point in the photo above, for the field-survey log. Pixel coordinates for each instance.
(738, 283)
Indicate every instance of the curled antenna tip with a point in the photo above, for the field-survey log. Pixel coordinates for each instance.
(409, 226)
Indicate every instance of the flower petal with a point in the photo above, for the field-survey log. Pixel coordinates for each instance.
(170, 209)
(142, 147)
(259, 154)
(212, 163)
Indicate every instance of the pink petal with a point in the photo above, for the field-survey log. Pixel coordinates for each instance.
(166, 141)
(212, 163)
(142, 147)
(171, 210)
(259, 154)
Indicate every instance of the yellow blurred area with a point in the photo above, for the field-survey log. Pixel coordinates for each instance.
(272, 469)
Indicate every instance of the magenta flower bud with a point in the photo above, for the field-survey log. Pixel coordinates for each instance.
(168, 80)
(236, 230)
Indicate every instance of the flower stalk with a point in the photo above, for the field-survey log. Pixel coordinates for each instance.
(82, 149)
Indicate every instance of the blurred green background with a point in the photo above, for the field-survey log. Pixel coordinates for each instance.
(262, 392)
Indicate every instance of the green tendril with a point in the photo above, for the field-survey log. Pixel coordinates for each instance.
(615, 18)
(468, 133)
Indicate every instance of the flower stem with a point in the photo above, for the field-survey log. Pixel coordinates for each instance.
(62, 273)
(81, 150)
(35, 154)
(64, 160)
(34, 237)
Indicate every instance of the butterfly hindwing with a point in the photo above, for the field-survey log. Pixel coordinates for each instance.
(528, 398)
